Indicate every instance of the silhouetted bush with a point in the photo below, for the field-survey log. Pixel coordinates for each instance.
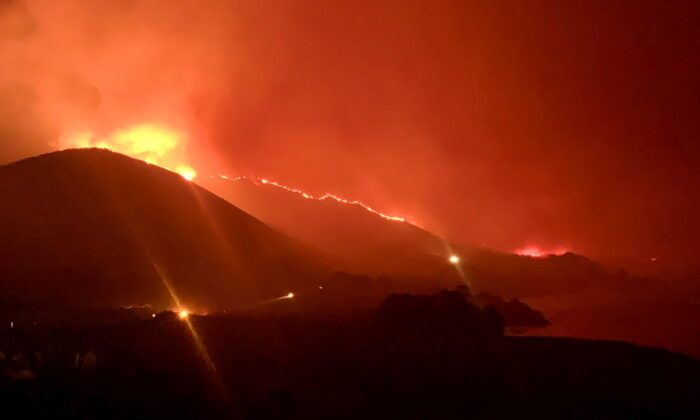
(448, 312)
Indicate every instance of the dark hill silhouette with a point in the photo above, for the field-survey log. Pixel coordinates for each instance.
(583, 298)
(526, 277)
(415, 357)
(92, 227)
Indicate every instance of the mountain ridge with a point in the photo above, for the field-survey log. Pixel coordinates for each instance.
(135, 218)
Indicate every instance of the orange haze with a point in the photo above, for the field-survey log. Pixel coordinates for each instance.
(501, 124)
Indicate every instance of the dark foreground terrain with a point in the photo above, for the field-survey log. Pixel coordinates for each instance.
(414, 357)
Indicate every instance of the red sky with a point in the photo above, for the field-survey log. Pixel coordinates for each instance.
(504, 123)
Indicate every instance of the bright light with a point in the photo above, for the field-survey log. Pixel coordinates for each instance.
(183, 314)
(153, 315)
(290, 295)
(186, 172)
(535, 252)
(454, 259)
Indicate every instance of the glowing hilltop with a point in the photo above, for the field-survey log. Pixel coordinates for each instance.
(152, 143)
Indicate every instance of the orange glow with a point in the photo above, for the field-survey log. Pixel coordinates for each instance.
(160, 145)
(536, 252)
(186, 172)
(290, 295)
(154, 144)
(308, 196)
(454, 259)
(183, 314)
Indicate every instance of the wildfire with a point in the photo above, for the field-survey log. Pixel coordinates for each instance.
(308, 196)
(151, 143)
(162, 146)
(535, 252)
(186, 172)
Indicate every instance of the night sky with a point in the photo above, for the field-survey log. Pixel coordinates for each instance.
(497, 123)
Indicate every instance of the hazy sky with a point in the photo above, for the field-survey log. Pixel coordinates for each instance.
(505, 123)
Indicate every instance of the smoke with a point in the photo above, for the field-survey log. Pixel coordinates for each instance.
(494, 123)
(294, 90)
(95, 67)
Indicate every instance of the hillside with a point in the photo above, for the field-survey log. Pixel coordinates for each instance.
(361, 242)
(92, 227)
(581, 297)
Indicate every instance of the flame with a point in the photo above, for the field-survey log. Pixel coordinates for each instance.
(308, 196)
(536, 252)
(152, 143)
(186, 172)
(159, 145)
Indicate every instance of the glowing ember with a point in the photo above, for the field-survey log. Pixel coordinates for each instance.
(453, 259)
(183, 314)
(325, 196)
(290, 295)
(535, 252)
(155, 144)
(186, 172)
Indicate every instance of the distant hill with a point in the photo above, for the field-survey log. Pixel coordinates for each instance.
(583, 298)
(527, 277)
(93, 227)
(365, 243)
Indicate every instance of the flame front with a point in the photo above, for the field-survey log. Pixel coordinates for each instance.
(155, 144)
(162, 146)
(308, 196)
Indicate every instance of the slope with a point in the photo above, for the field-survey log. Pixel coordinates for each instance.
(93, 227)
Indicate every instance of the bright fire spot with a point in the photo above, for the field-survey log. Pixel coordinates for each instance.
(183, 314)
(454, 259)
(290, 295)
(308, 196)
(535, 252)
(155, 144)
(186, 172)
